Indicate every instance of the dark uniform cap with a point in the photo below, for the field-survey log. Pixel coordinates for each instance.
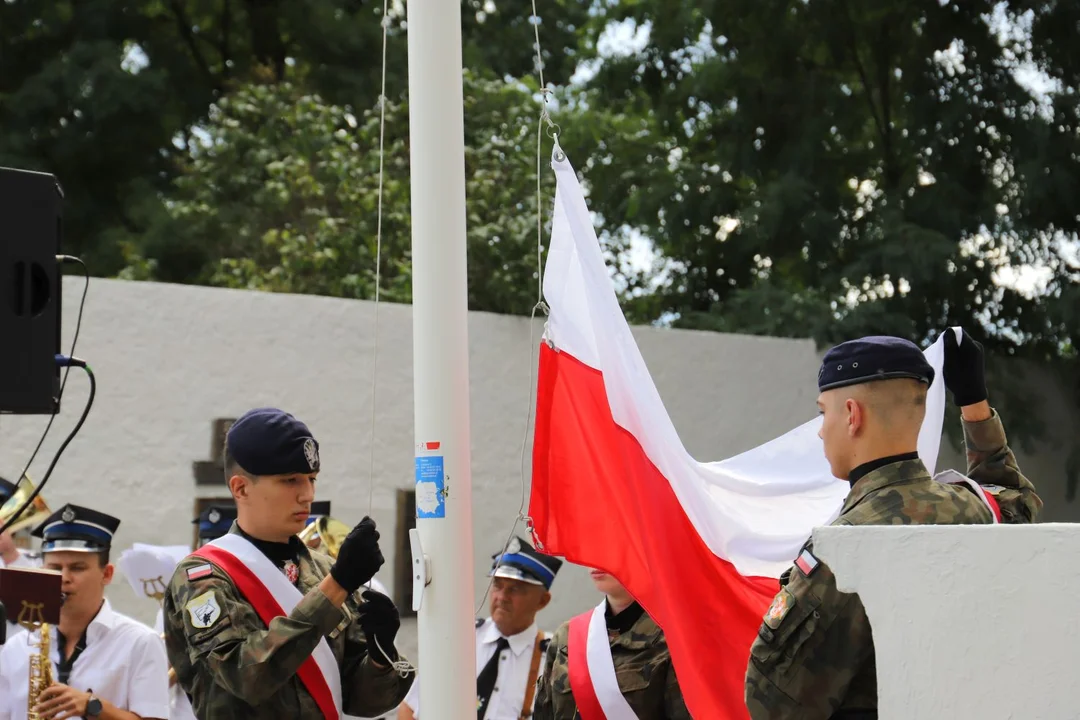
(268, 441)
(215, 521)
(77, 529)
(521, 562)
(877, 357)
(7, 489)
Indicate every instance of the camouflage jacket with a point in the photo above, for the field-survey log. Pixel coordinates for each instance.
(991, 463)
(237, 667)
(643, 670)
(814, 653)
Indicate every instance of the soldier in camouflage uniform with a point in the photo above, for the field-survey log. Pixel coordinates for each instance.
(814, 654)
(639, 652)
(227, 659)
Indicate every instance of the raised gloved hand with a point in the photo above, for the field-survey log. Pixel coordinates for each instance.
(380, 621)
(359, 557)
(965, 374)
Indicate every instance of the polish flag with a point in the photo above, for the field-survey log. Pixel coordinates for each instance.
(700, 545)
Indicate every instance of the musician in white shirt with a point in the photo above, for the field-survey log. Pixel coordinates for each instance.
(10, 555)
(510, 650)
(105, 666)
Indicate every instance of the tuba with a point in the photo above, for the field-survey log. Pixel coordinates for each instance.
(38, 510)
(325, 535)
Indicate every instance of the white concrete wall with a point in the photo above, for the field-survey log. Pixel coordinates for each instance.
(994, 636)
(170, 358)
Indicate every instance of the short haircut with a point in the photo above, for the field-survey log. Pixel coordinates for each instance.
(232, 467)
(896, 401)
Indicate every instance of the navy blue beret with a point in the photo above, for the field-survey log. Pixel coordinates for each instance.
(877, 357)
(268, 441)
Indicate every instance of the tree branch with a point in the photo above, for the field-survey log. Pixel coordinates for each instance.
(854, 44)
(189, 39)
(883, 52)
(226, 28)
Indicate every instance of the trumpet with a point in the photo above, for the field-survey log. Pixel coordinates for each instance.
(325, 535)
(38, 510)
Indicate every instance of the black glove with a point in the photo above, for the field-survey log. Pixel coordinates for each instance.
(379, 619)
(965, 375)
(359, 557)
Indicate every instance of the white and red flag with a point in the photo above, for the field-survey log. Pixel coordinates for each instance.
(699, 544)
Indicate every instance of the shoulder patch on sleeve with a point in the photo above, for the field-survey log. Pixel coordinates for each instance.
(199, 571)
(806, 562)
(781, 606)
(204, 610)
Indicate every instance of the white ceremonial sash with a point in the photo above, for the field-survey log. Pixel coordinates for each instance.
(288, 597)
(954, 477)
(602, 669)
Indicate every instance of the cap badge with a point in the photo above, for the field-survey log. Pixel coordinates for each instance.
(311, 454)
(213, 516)
(514, 547)
(68, 515)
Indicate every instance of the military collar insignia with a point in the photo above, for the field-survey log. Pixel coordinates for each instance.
(292, 571)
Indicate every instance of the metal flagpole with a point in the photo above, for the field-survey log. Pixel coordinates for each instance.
(442, 541)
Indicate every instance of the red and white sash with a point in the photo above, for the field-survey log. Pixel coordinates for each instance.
(592, 671)
(952, 477)
(272, 595)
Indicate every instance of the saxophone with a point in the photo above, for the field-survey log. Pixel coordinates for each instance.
(41, 675)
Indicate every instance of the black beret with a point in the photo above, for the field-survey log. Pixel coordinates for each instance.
(877, 357)
(268, 441)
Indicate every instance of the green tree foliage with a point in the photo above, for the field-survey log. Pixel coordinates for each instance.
(833, 169)
(106, 94)
(283, 196)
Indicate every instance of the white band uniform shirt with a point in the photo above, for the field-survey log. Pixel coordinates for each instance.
(179, 705)
(510, 687)
(124, 662)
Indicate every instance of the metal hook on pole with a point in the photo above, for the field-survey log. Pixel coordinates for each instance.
(556, 151)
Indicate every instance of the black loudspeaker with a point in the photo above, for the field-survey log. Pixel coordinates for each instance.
(30, 230)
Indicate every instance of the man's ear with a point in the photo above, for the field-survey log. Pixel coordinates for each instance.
(110, 569)
(544, 600)
(238, 486)
(856, 416)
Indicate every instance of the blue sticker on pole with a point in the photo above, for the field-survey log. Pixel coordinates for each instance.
(430, 487)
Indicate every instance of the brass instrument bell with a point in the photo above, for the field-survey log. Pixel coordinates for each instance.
(325, 534)
(37, 512)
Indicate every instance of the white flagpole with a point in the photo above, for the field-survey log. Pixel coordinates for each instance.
(446, 649)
